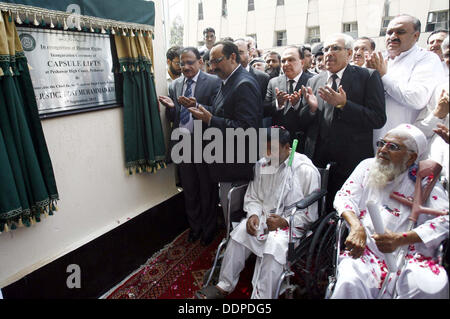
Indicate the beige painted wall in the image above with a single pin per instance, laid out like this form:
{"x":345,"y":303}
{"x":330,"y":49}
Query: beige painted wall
{"x":96,"y":192}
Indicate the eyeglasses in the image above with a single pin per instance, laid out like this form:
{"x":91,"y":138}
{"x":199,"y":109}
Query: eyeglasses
{"x":176,"y":63}
{"x":333,"y":48}
{"x":391,"y":146}
{"x":216,"y":61}
{"x":187,"y":62}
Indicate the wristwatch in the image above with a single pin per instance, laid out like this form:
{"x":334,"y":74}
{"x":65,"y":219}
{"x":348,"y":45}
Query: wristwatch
{"x":340,"y":106}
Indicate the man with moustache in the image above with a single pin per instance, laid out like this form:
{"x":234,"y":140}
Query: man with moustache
{"x":363,"y":47}
{"x":283,"y":99}
{"x":190,"y":90}
{"x":343,"y":106}
{"x":409,"y":73}
{"x":236,"y":106}
{"x":434,"y":44}
{"x":361,"y":268}
{"x":209,"y":35}
{"x":273,"y":64}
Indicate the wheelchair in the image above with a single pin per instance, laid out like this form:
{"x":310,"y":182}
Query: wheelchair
{"x":309,"y":260}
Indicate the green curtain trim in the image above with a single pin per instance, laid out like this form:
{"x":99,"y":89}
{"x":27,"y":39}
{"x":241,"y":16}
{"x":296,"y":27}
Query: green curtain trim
{"x":26,"y":218}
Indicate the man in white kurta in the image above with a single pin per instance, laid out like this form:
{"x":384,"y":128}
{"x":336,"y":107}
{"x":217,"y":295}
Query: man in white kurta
{"x":437,"y":112}
{"x":409,"y":73}
{"x":260,"y":203}
{"x":361,"y":268}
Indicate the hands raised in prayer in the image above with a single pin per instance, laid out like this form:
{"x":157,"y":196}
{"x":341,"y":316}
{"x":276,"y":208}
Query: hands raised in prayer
{"x":201,"y":113}
{"x":442,"y":107}
{"x":166,"y":101}
{"x":377,"y":62}
{"x":283,"y":97}
{"x":187,"y":101}
{"x":442,"y":131}
{"x":332,"y":97}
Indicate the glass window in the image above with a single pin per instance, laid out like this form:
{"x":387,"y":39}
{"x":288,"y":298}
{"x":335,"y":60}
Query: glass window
{"x":224,"y":8}
{"x":314,"y":35}
{"x":437,"y":20}
{"x":251,"y":5}
{"x":280,"y":2}
{"x":200,"y":10}
{"x":280,"y":38}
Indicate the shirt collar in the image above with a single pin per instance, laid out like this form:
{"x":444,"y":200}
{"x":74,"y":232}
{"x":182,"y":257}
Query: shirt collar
{"x":225,"y":81}
{"x":404,"y":53}
{"x":339,"y":74}
{"x":297,"y":78}
{"x":194,"y":79}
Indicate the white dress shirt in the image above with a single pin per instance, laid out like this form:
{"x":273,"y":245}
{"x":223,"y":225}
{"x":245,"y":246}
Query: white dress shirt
{"x":288,"y":105}
{"x":409,"y":83}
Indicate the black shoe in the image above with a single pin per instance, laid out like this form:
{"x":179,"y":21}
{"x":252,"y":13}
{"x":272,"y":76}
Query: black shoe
{"x":207,"y":240}
{"x":192,"y":238}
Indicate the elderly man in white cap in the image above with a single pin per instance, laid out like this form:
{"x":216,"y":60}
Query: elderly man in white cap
{"x":362,"y":268}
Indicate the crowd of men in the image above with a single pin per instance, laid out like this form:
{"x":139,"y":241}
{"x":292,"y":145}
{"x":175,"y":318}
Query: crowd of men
{"x":373,"y":114}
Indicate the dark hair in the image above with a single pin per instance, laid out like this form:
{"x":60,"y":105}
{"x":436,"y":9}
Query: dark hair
{"x":284,"y":137}
{"x":173,"y":52}
{"x":415,"y":21}
{"x":207,"y":30}
{"x":228,"y":49}
{"x":372,"y":43}
{"x":299,"y":49}
{"x":193,"y":50}
{"x":437,"y":31}
{"x":206,"y":56}
{"x":304,"y":48}
{"x":230,"y":39}
{"x":274,"y":53}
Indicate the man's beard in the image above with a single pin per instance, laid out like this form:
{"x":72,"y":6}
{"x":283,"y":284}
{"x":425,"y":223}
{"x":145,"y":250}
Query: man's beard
{"x":174,"y":72}
{"x":273,"y":72}
{"x":381,"y":174}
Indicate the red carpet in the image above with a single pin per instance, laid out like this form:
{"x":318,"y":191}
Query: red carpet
{"x":176,"y":272}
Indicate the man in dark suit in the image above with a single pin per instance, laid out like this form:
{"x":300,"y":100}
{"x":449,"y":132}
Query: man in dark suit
{"x":244,"y":53}
{"x":283,"y":99}
{"x":237,"y":105}
{"x":189,"y":90}
{"x":343,"y":107}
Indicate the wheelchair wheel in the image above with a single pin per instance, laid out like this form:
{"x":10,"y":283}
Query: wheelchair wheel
{"x":319,"y":263}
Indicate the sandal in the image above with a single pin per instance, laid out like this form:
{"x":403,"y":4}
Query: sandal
{"x":210,"y":292}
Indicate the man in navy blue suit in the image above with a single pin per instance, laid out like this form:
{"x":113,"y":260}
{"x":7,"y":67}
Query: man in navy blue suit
{"x":237,"y":105}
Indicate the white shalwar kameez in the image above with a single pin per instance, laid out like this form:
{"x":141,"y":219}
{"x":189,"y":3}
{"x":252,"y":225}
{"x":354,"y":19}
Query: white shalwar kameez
{"x":261,"y":199}
{"x":409,"y":83}
{"x":423,"y":277}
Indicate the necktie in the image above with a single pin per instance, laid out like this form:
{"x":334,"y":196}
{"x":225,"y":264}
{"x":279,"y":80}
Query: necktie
{"x":185,"y":115}
{"x":329,"y":110}
{"x":291,"y":86}
{"x":334,"y":84}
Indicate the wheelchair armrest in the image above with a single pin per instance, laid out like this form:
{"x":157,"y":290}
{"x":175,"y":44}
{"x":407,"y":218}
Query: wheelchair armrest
{"x":311,"y":198}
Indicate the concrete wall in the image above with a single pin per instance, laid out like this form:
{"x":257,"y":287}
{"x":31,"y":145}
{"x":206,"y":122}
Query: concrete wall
{"x":96,"y":193}
{"x":297,"y":15}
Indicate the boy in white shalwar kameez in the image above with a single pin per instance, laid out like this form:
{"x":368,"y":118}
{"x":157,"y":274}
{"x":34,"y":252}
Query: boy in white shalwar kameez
{"x":362,"y":268}
{"x":260,"y":203}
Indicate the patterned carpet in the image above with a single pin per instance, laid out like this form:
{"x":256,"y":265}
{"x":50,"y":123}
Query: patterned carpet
{"x":176,"y":272}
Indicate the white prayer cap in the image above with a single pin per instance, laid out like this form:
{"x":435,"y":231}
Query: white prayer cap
{"x":413,"y":132}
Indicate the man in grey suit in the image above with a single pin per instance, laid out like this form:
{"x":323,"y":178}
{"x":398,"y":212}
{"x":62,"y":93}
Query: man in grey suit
{"x":200,"y":192}
{"x":343,"y":105}
{"x":283,"y":99}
